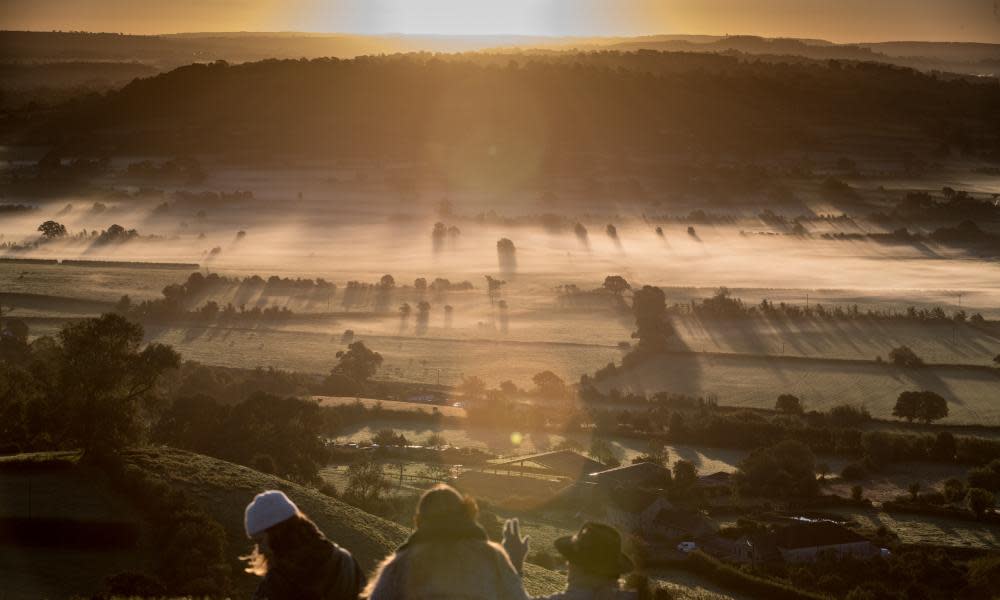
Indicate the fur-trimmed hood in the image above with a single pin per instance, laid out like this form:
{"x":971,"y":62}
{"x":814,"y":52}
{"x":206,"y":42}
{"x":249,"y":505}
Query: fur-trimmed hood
{"x":453,"y":562}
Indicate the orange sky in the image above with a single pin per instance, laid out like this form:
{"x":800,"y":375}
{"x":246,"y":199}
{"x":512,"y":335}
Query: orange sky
{"x":836,"y":20}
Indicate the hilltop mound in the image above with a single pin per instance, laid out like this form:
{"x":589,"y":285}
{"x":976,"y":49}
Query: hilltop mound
{"x":220,"y":488}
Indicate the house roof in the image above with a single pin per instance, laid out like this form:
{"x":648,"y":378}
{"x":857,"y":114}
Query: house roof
{"x":639,"y":473}
{"x":717,"y":478}
{"x":632,"y":500}
{"x":561,"y":462}
{"x":812,"y":535}
{"x":684,"y":520}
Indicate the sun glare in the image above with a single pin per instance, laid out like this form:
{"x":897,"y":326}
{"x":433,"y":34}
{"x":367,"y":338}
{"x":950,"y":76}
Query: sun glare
{"x":452,"y":17}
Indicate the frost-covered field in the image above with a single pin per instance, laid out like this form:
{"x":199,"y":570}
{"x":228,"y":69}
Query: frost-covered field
{"x":331,"y":223}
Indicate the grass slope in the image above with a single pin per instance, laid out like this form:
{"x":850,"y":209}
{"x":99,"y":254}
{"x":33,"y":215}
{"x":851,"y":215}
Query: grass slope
{"x":221,"y":488}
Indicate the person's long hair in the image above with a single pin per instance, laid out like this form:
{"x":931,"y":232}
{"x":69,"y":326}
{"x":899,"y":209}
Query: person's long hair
{"x":290,"y":542}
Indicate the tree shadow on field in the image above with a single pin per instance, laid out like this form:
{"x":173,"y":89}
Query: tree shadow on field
{"x":194,"y":333}
{"x":738,"y":335}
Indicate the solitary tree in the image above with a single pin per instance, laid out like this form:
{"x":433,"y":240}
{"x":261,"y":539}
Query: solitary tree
{"x":656,"y":454}
{"x":616,"y":284}
{"x":357,"y":362}
{"x":979,"y":501}
{"x":507,"y":255}
{"x":472,"y":387}
{"x":51,"y":230}
{"x":685,"y":474}
{"x":438,"y":236}
{"x":788,"y":404}
{"x":550,"y":385}
{"x":649,"y":306}
{"x":100,"y":376}
{"x":493,"y":286}
{"x":366,"y":482}
{"x":954,"y":489}
{"x":604,"y":453}
{"x":923,"y":406}
{"x":903,"y":356}
{"x":435,"y":440}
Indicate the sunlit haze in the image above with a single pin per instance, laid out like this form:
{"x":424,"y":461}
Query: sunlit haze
{"x":846,"y":20}
{"x":563,"y":299}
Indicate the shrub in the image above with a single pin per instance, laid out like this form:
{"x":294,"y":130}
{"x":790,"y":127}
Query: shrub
{"x":954,"y":490}
{"x":788,"y":404}
{"x":191,"y":545}
{"x":846,"y":415}
{"x":787,"y":469}
{"x":903,"y":356}
{"x":979,"y":501}
{"x":131,"y":584}
{"x":263,"y":463}
{"x":857,"y":494}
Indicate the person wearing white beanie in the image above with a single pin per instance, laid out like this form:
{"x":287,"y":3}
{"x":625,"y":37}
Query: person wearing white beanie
{"x":293,"y":556}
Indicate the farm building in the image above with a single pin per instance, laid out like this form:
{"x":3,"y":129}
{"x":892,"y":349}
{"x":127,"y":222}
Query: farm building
{"x":716,"y":484}
{"x":803,"y":542}
{"x":651,"y":515}
{"x":644,"y":474}
{"x":561,"y":463}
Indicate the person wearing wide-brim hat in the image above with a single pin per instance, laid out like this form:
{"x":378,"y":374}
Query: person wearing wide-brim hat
{"x":595,"y":559}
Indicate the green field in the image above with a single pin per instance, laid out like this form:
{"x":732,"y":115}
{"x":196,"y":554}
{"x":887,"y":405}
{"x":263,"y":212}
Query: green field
{"x":972,"y":393}
{"x":925,"y":529}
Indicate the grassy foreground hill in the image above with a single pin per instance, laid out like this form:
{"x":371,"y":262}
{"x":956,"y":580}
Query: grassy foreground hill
{"x":81,"y":493}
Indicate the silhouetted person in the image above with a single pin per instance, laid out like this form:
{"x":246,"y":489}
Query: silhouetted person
{"x":595,"y":561}
{"x":448,"y":556}
{"x":294,"y":557}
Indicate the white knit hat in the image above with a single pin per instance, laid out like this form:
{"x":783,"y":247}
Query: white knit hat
{"x":267,"y":510}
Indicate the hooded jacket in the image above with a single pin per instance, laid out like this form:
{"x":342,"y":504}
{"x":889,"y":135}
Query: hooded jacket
{"x":332,"y":574}
{"x":447,"y":561}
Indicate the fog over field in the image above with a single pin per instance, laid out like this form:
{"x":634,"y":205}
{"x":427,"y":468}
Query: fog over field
{"x":736,"y":296}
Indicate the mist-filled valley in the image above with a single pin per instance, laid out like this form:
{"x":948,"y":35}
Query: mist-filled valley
{"x":522,"y":266}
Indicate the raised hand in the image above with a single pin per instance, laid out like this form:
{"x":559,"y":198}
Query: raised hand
{"x":515,"y":545}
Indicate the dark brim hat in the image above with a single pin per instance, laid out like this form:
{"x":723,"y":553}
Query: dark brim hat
{"x":597,"y":548}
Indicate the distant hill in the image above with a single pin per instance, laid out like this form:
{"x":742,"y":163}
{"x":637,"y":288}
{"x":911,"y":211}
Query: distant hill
{"x":165,"y":52}
{"x":220,"y":488}
{"x":456,"y":108}
{"x":169,"y":51}
{"x":965,"y":58}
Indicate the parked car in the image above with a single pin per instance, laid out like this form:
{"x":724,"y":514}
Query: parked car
{"x":686,"y":547}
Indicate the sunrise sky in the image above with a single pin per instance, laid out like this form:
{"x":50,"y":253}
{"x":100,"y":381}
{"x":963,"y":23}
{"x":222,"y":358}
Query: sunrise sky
{"x":835,"y":20}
